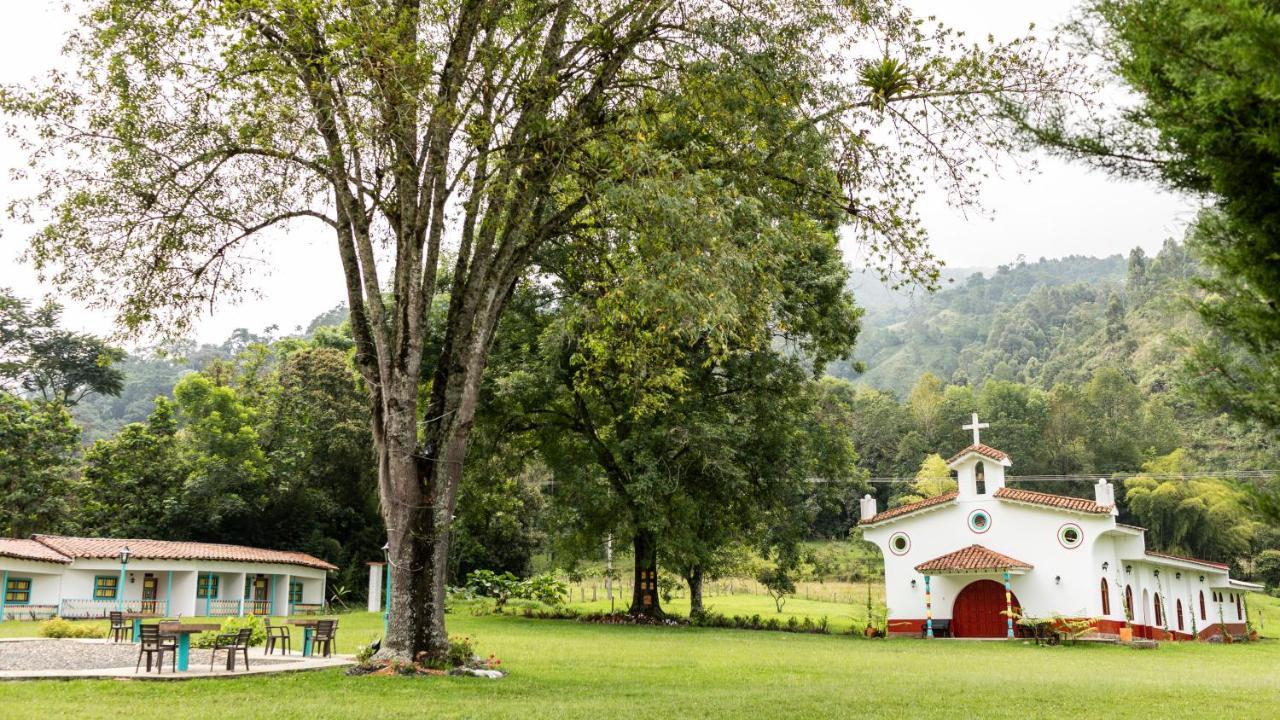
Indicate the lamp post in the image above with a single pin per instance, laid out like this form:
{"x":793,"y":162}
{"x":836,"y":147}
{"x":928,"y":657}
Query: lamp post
{"x":386,"y":591}
{"x":124,"y":563}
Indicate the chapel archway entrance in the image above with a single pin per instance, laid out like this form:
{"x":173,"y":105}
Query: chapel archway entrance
{"x":979,"y":611}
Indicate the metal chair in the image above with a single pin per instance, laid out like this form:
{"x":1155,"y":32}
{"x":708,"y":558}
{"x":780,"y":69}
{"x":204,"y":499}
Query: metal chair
{"x":326,"y":632}
{"x":120,"y":628}
{"x":231,"y":642}
{"x":153,"y":643}
{"x":277,"y":634}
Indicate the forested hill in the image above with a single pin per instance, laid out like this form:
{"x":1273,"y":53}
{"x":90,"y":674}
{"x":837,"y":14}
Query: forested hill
{"x":1036,"y":323}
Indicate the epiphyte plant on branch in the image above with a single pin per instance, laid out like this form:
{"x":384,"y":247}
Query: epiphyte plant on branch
{"x":445,"y":145}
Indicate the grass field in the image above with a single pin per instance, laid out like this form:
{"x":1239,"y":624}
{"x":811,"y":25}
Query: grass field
{"x":565,"y":669}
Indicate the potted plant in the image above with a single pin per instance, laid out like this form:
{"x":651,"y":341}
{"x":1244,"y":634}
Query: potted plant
{"x":1126,"y":632}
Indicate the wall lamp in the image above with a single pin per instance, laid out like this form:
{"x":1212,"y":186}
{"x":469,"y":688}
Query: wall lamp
{"x":1128,"y":569}
{"x":1156,"y":573}
{"x":913,"y":583}
{"x":1057,"y":579}
{"x":1201,"y":578}
{"x":1177,"y":576}
{"x":1105,"y":566}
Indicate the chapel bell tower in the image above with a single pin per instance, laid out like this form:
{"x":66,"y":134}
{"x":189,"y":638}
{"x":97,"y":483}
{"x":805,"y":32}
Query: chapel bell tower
{"x":979,"y":469}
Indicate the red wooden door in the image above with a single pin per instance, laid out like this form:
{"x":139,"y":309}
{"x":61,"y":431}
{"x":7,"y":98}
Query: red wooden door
{"x":978,"y":610}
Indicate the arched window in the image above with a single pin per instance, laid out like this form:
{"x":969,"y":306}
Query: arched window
{"x":1156,"y":605}
{"x":1179,"y":613}
{"x":1239,"y":608}
{"x":1128,"y":602}
{"x":980,"y":476}
{"x":1202,"y":615}
{"x":1106,"y":598}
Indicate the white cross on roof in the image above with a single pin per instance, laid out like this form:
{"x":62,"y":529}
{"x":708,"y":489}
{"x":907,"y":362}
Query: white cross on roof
{"x":975,"y":426}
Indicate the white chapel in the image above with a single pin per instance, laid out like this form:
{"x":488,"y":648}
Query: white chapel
{"x":957,"y":564}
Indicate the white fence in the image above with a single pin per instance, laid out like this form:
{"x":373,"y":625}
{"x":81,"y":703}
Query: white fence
{"x":89,"y":608}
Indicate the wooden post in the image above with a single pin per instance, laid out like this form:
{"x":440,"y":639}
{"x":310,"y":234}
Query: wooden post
{"x":928,"y":609}
{"x":1008,"y":605}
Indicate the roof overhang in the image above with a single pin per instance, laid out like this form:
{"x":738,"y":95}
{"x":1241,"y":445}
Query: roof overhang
{"x":1177,"y":563}
{"x":1240,"y":585}
{"x":1051,"y":508}
{"x":1012,"y":570}
{"x":960,"y":457}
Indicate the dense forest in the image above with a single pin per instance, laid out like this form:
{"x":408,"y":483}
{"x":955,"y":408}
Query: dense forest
{"x":264,"y":439}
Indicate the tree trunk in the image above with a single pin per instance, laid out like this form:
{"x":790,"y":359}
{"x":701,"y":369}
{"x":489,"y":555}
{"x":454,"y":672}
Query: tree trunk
{"x":694,"y":579}
{"x":644,"y":591}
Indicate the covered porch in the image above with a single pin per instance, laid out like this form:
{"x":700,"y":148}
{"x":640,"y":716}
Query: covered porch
{"x":980,"y":582}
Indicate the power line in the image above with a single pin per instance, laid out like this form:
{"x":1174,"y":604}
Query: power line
{"x":1092,"y":478}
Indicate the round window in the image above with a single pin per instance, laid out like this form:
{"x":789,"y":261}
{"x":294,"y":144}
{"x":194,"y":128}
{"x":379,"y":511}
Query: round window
{"x":979,"y":521}
{"x":1070,"y":535}
{"x":899,"y":543}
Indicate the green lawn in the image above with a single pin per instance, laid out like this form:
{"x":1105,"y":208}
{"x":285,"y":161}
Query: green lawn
{"x":563,"y":669}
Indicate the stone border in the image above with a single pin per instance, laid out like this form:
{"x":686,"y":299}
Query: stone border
{"x":299,"y":664}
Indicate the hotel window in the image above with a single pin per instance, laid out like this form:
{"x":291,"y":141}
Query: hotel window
{"x":295,"y":591}
{"x":1202,"y":615}
{"x":1106,"y":598}
{"x":207,"y":587}
{"x":105,"y":586}
{"x":17,"y":591}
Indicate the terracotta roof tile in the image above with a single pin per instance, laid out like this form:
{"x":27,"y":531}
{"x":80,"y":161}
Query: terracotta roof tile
{"x":30,"y":550}
{"x":1168,"y":556}
{"x":983,"y":450}
{"x":911,"y":507}
{"x":1064,"y":502}
{"x":974,"y":557}
{"x":143,"y":549}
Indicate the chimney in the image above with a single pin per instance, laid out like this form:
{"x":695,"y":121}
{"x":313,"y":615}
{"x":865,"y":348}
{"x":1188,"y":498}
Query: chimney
{"x":1104,"y":493}
{"x":868,"y":504}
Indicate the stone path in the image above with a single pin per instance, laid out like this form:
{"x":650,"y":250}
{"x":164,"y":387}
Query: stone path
{"x":32,"y":658}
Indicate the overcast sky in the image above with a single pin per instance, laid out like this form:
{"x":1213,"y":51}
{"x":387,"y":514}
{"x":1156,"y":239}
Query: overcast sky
{"x":1060,"y":210}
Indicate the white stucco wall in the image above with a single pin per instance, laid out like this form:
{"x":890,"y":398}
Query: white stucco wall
{"x":1023,"y":532}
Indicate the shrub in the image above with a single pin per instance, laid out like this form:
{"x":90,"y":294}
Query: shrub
{"x":231,"y":625}
{"x":544,"y":588}
{"x":461,"y":650}
{"x":60,"y":628}
{"x":487,"y":583}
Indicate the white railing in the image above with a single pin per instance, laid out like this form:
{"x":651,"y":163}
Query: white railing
{"x":90,"y":608}
{"x":220,"y":608}
{"x":29,"y":612}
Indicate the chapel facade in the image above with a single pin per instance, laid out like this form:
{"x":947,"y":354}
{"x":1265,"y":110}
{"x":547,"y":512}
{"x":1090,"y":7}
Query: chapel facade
{"x":966,"y":559}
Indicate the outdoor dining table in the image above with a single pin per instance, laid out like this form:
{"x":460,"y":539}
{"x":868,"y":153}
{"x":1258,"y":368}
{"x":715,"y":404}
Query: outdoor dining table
{"x":137,"y":618}
{"x":308,"y":630}
{"x":184,"y":632}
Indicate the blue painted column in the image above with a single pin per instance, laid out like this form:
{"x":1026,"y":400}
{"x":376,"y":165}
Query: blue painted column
{"x":4,"y":591}
{"x":120,"y":589}
{"x":208,"y":592}
{"x":928,"y":609}
{"x":1008,"y":605}
{"x":184,"y":651}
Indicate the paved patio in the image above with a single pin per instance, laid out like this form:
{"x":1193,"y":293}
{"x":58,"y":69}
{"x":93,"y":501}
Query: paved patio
{"x":44,"y":658}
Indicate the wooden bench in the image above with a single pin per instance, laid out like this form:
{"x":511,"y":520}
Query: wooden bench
{"x":941,"y":628}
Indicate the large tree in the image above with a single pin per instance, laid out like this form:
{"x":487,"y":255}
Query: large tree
{"x":40,"y":358}
{"x":445,"y":145}
{"x":1206,"y":121}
